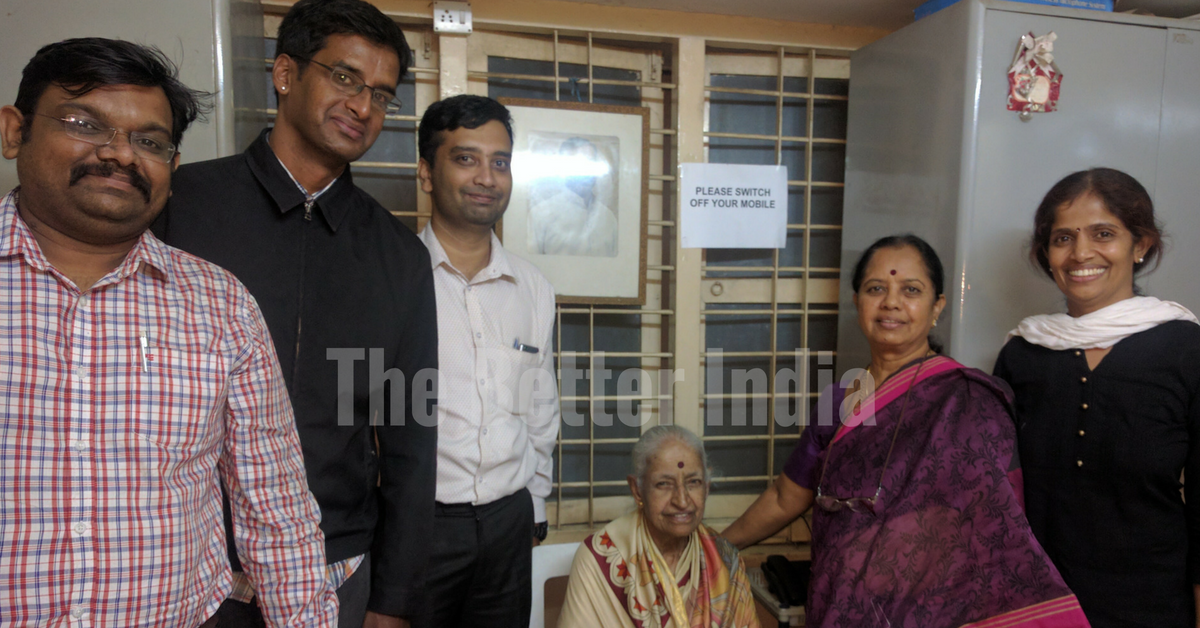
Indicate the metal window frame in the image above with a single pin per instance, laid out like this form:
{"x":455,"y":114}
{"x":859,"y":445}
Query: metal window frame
{"x":765,"y":285}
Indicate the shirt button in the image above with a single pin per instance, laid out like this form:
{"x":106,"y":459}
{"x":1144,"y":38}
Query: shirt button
{"x":1078,"y":353}
{"x":1081,"y":432}
{"x":1083,"y":379}
{"x":81,"y":372}
{"x":83,"y":301}
{"x":80,"y":446}
{"x":1084,"y":406}
{"x":482,"y":382}
{"x":485,"y":431}
{"x":1079,"y":463}
{"x":80,"y":528}
{"x":77,"y":612}
{"x":478,"y":335}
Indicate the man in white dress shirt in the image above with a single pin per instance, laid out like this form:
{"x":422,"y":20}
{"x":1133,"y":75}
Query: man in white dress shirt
{"x":498,"y":408}
{"x":574,"y":221}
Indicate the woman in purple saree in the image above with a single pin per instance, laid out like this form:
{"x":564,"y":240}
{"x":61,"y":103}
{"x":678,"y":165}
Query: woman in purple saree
{"x":918,"y":520}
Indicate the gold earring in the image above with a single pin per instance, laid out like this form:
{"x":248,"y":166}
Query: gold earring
{"x":935,"y":322}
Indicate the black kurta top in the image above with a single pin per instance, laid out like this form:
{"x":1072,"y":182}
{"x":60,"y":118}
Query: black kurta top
{"x":343,"y":274}
{"x":1102,"y":452}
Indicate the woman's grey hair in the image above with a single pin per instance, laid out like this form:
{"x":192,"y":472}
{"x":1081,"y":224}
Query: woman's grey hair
{"x":654,"y":439}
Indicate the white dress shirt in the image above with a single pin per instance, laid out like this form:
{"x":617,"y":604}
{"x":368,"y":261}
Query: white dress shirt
{"x":498,"y":410}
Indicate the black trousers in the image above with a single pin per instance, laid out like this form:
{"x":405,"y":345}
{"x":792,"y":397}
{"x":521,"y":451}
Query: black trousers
{"x":352,"y":604}
{"x":480,"y":566}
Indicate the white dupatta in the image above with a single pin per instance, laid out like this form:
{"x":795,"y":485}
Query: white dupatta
{"x":1100,"y":329}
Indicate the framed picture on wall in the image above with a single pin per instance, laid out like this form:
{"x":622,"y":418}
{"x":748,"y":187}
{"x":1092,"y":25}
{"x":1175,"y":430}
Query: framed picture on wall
{"x":578,"y":207}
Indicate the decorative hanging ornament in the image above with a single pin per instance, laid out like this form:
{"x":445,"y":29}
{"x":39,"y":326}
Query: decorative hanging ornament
{"x":1034,"y":79}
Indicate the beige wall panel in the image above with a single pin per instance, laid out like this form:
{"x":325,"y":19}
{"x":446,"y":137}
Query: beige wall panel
{"x":650,"y":23}
{"x":689,"y":103}
{"x":453,"y":76}
{"x":426,"y":54}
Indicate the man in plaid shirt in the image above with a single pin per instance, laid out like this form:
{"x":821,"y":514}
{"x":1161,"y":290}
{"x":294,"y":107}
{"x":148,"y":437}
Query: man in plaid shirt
{"x":134,"y":378}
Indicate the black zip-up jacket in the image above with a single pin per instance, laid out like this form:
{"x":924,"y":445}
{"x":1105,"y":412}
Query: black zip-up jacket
{"x":341,"y":273}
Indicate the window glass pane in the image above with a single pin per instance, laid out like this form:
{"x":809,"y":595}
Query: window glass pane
{"x":738,"y":458}
{"x":571,"y":91}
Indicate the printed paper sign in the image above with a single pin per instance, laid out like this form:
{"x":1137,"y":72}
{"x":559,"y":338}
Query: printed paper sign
{"x":730,"y":206}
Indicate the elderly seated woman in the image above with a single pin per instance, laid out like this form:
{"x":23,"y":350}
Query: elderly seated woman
{"x":659,"y":566}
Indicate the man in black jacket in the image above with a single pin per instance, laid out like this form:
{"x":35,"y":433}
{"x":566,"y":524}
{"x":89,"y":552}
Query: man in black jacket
{"x":348,"y":296}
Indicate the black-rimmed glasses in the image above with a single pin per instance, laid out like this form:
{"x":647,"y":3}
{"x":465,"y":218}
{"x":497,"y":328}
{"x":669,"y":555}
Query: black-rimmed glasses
{"x":830,"y":503}
{"x":150,"y":145}
{"x":351,"y":84}
{"x":855,"y":504}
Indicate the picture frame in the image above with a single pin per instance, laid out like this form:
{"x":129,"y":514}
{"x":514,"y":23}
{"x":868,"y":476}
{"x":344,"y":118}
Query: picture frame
{"x":579,"y":197}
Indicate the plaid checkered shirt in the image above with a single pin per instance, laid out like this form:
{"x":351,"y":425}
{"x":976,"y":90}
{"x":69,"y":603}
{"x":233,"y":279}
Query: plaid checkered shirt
{"x":124,"y":407}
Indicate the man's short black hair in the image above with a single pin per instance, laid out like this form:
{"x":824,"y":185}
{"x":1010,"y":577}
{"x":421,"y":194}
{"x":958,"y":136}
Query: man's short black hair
{"x":309,"y":23}
{"x":84,"y":64}
{"x":464,"y":111}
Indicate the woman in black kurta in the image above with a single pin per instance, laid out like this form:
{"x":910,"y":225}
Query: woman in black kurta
{"x":1108,"y":411}
{"x":1102,"y":452}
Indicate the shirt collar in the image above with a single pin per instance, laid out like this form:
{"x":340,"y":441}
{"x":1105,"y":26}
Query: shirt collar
{"x":148,"y":252}
{"x":334,"y":202}
{"x":498,"y":266}
{"x":17,"y":239}
{"x":307,"y":197}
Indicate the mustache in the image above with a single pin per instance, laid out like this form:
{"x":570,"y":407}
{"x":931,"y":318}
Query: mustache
{"x":108,"y":169}
{"x":479,"y":191}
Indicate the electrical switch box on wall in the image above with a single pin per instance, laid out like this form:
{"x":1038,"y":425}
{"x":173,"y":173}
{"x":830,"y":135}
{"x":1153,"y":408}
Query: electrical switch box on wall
{"x":452,"y":17}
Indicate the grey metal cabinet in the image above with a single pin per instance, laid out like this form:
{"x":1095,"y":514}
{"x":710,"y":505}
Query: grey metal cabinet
{"x":1177,"y":183}
{"x":933,"y":150}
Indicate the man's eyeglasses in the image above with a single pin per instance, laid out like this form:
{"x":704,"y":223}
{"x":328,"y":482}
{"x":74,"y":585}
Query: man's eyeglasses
{"x":147,"y":145}
{"x":352,"y":85}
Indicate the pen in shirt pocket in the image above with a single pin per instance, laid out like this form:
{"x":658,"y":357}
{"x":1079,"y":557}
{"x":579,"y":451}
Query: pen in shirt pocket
{"x":144,"y":345}
{"x":518,"y":345}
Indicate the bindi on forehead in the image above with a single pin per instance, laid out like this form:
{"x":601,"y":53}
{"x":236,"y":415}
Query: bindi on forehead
{"x":893,"y":271}
{"x":679,"y":464}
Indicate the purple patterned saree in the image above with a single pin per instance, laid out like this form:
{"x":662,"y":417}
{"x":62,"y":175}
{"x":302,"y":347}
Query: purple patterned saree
{"x":948,"y":544}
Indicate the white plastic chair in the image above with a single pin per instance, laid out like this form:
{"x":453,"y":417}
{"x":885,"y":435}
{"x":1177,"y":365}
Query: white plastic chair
{"x":549,"y":561}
